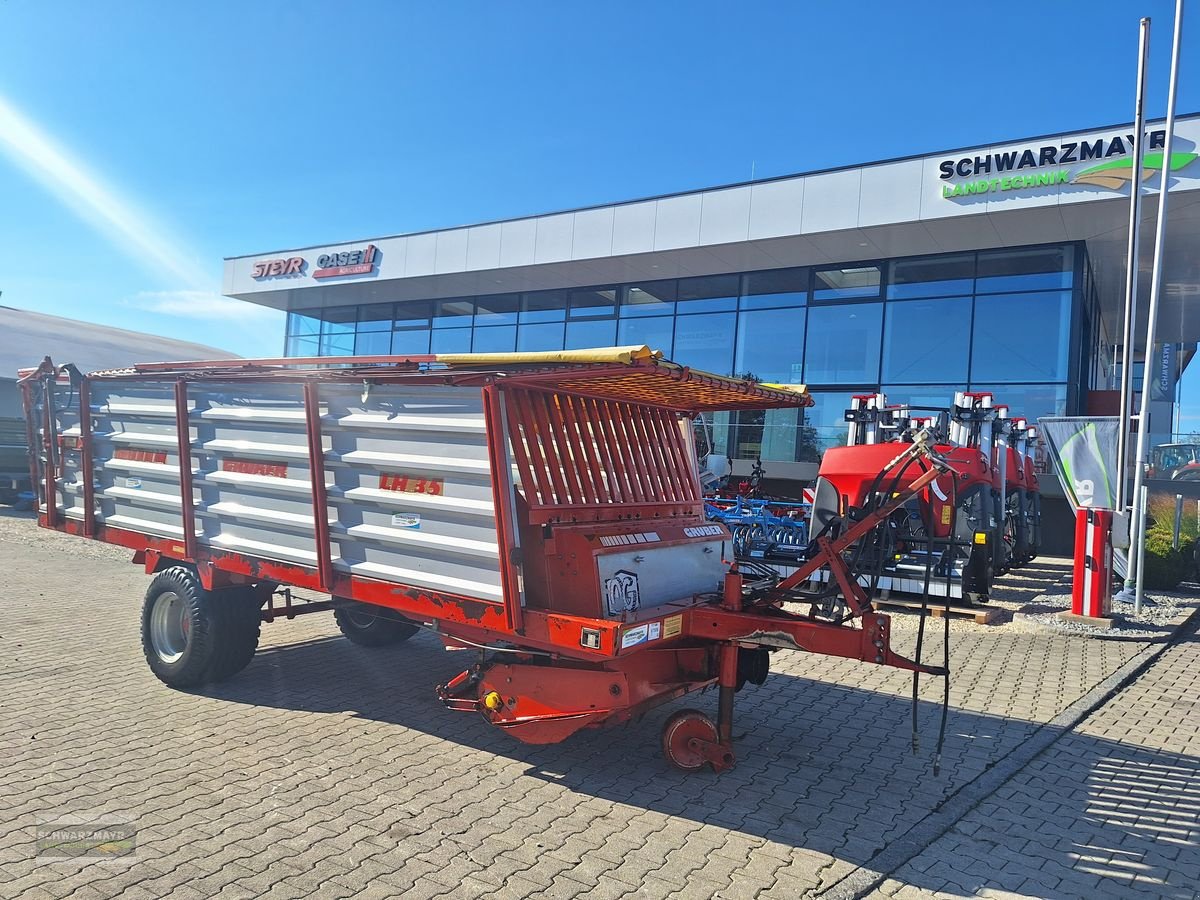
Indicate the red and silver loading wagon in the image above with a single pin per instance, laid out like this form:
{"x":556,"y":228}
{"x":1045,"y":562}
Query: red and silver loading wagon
{"x":542,"y":508}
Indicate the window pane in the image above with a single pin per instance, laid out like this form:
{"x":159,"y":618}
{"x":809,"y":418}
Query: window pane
{"x":927,"y":340}
{"x":705,"y":342}
{"x":598,"y":333}
{"x":934,"y":277}
{"x":453,"y":313}
{"x":595,"y":303}
{"x":770,"y":345}
{"x":339,"y":344}
{"x":715,"y":293}
{"x":544,"y":306}
{"x":413,"y":314}
{"x":748,"y":433}
{"x":304,"y":345}
{"x":924,"y":399}
{"x":1024,"y":270}
{"x":339,"y":321}
{"x":495,"y":339}
{"x":843,"y":344}
{"x":843,"y":283}
{"x":499,"y":309}
{"x":775,"y":434}
{"x":1020,"y":337}
{"x":778,"y":287}
{"x":542,"y":336}
{"x":375,"y":317}
{"x":655,"y":298}
{"x":451,"y":340}
{"x":305,"y":322}
{"x":1029,"y":400}
{"x":654,"y":333}
{"x":826,"y":421}
{"x":373,"y":343}
{"x":414,"y":341}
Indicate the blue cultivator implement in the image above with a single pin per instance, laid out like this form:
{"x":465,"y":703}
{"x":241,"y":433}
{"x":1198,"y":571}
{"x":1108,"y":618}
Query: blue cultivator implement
{"x":764,"y":530}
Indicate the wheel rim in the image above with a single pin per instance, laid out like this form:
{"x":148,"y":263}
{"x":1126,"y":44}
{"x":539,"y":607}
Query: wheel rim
{"x":169,"y":627}
{"x":680,"y":730}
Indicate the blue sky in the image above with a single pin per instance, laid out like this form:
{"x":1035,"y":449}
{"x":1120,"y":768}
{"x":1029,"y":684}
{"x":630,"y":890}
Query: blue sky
{"x":218,"y":128}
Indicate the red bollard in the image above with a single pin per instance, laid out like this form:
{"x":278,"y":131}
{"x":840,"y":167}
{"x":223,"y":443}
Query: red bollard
{"x":1091,"y":586}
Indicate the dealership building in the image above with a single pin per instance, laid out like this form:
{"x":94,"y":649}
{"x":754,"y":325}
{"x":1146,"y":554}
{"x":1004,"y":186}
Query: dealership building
{"x":997,"y":268}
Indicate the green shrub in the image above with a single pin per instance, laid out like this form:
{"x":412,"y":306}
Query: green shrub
{"x":1165,"y":566}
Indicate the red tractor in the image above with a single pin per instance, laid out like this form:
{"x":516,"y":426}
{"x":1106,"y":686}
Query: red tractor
{"x":964,"y":530}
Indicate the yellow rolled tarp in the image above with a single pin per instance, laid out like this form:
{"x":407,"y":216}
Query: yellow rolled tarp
{"x":621,"y":355}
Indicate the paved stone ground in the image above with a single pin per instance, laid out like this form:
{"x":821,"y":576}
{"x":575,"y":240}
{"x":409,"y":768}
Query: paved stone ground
{"x":329,"y":769}
{"x":1111,"y":809}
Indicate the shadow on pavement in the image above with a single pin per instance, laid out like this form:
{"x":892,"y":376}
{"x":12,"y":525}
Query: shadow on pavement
{"x":820,"y":766}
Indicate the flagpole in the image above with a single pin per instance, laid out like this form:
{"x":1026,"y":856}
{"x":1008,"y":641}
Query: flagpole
{"x":1131,"y":271}
{"x":1160,"y":228}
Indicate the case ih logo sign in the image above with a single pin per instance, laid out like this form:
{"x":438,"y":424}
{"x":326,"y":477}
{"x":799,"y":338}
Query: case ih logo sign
{"x":272,"y":268}
{"x":351,"y":262}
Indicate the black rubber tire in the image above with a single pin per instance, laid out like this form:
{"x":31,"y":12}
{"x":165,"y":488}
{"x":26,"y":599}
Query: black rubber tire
{"x":238,"y":623}
{"x":196,"y":640}
{"x":369,"y":625}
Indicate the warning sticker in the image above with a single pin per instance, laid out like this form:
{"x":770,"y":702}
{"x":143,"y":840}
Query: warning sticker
{"x":946,"y":511}
{"x":672,"y":626}
{"x":655,"y":631}
{"x":406,"y":520}
{"x":133,"y":482}
{"x":634,"y":636}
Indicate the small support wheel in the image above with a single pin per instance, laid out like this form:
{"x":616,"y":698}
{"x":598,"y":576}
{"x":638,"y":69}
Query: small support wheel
{"x":678,"y":734}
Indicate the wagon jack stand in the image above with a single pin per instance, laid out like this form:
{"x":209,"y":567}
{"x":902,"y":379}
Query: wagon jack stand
{"x":689,"y":738}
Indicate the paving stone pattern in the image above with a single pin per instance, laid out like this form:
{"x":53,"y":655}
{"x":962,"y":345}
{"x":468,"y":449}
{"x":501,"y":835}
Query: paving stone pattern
{"x":1111,"y":809}
{"x":326,"y":769}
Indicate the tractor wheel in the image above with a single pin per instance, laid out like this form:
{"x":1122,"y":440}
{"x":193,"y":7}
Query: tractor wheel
{"x":239,"y":618}
{"x":180,"y":628}
{"x":369,"y":625}
{"x":679,"y":730}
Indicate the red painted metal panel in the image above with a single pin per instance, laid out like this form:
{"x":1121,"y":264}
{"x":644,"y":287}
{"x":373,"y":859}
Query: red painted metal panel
{"x":183,"y":434}
{"x":606,"y":460}
{"x":407,"y":484}
{"x":502,"y":500}
{"x":320,"y":497}
{"x":254,"y":467}
{"x":135,"y":455}
{"x":48,"y":446}
{"x":87,"y":460}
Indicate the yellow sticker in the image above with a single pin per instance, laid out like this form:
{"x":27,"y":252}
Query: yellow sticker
{"x":946,"y":515}
{"x":672,"y":626}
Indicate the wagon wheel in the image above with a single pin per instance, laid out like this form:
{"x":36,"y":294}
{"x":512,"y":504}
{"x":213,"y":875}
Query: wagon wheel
{"x":679,"y":730}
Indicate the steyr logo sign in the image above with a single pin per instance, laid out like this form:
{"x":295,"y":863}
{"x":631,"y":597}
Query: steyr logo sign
{"x":272,"y":268}
{"x":350,"y":262}
{"x":329,"y":265}
{"x":1057,"y":164}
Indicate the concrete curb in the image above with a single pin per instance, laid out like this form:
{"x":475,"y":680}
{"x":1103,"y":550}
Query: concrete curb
{"x":863,"y":880}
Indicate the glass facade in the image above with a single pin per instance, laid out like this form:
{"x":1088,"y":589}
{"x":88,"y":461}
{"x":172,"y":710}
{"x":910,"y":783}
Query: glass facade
{"x":1013,"y":321}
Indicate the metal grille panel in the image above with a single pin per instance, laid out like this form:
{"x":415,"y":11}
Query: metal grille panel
{"x":590,"y":459}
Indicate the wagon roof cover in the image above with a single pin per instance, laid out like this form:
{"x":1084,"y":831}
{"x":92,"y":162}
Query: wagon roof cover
{"x":635,"y":374}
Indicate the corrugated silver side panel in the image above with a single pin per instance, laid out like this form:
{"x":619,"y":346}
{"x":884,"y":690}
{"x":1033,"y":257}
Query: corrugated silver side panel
{"x":406,"y":471}
{"x":435,"y":526}
{"x":136,"y":494}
